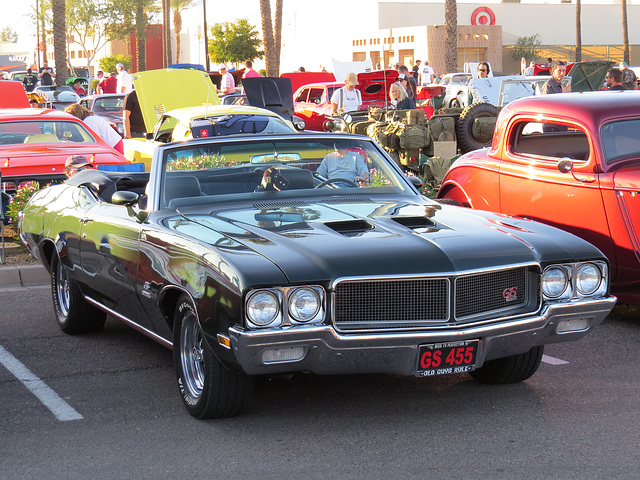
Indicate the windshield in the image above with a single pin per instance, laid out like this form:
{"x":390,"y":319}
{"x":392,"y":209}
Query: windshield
{"x":43,"y":131}
{"x":265,"y":169}
{"x":620,"y":140}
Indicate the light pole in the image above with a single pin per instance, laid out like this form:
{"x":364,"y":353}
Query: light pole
{"x":206,"y":40}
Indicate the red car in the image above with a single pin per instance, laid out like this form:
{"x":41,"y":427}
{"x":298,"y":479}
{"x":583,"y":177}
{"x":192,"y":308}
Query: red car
{"x":312,"y":102}
{"x":35,"y":143}
{"x":568,"y":160}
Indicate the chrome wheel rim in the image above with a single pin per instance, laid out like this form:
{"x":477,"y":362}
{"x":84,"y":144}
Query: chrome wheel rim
{"x":192,"y":355}
{"x":62,"y":289}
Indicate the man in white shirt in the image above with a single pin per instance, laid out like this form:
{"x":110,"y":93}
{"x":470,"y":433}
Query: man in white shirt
{"x":347,"y":98}
{"x":125,"y":82}
{"x":426,"y":75}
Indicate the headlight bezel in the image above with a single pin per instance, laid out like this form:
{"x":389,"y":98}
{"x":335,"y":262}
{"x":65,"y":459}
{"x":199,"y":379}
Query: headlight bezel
{"x":573,"y":288}
{"x":287,"y":298}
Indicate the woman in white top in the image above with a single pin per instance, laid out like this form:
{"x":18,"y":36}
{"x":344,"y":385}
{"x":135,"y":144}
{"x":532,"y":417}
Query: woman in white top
{"x":347,"y":98}
{"x":98,"y":124}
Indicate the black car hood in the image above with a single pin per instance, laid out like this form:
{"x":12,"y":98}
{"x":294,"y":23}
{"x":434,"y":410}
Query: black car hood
{"x":333,"y":239}
{"x":273,"y":93}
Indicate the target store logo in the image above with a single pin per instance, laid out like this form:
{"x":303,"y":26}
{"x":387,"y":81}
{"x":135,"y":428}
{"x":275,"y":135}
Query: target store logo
{"x":483,"y":16}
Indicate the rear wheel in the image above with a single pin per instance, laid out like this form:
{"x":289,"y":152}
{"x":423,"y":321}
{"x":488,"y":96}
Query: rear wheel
{"x":513,"y":369}
{"x":208,"y":389}
{"x":73,"y":313}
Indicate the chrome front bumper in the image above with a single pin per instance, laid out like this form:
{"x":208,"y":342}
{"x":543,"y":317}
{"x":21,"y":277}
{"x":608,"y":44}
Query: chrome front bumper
{"x":327,"y":352}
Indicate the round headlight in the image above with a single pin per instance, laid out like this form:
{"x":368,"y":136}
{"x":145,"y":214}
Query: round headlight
{"x":588,"y":279}
{"x":304,"y":304}
{"x":554,"y":282}
{"x":263,"y":308}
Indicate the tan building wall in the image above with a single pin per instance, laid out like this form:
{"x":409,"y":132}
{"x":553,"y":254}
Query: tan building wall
{"x":476,"y":43}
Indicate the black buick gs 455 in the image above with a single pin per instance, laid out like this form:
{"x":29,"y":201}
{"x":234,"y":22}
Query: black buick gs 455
{"x":264,"y":254}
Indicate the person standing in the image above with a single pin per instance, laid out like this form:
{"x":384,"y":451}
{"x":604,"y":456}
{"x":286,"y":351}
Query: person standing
{"x":399,"y":98}
{"x":629,"y":79}
{"x":530,"y":69}
{"x":125,"y":82}
{"x":132,"y":117}
{"x":483,"y":70}
{"x":98,"y":124}
{"x":427,"y":74}
{"x":96,"y":81}
{"x":415,"y":71}
{"x":413,"y":85}
{"x":554,"y":84}
{"x":29,"y":81}
{"x":250,"y":72}
{"x":109,"y":84}
{"x":613,"y":80}
{"x":227,"y":83}
{"x":46,"y":74}
{"x":347,"y":98}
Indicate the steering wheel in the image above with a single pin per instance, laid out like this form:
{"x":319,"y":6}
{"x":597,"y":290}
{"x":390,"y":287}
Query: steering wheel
{"x":333,"y":181}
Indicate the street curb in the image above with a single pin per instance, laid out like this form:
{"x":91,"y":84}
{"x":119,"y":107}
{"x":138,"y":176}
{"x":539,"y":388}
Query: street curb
{"x":23,"y":276}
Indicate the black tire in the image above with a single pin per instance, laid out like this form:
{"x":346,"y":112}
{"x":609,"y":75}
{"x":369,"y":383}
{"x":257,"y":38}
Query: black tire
{"x":208,"y":389}
{"x":516,"y":368}
{"x":449,"y":201}
{"x":454,"y":103}
{"x":73,"y":313}
{"x":464,"y":126}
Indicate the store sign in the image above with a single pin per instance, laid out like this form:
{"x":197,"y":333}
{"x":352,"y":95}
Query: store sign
{"x":483,"y":16}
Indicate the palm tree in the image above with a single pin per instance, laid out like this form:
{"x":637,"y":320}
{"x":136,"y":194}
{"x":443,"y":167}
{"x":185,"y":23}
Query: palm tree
{"x":60,"y":40}
{"x":451,"y":36}
{"x":625,"y":31}
{"x":271,"y":40}
{"x":578,"y":31}
{"x":177,"y":6}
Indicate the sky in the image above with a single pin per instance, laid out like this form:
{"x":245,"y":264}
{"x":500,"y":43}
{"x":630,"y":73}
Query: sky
{"x":313,"y":32}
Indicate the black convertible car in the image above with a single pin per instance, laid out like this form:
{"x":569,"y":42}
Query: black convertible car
{"x":262,"y":254}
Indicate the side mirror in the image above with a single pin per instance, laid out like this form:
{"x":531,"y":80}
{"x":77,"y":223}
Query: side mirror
{"x":128,"y":199}
{"x":415,"y":181}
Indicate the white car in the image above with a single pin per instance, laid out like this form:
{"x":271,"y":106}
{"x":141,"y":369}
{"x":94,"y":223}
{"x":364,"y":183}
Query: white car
{"x":457,"y":89}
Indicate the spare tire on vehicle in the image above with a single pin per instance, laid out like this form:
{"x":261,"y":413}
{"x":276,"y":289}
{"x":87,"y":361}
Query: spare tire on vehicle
{"x":474,"y":128}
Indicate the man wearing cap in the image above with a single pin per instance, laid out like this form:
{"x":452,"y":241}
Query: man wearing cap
{"x":125,"y":83}
{"x":75,"y":164}
{"x":629,"y":79}
{"x":347,"y":98}
{"x":412,"y":84}
{"x":227,"y":83}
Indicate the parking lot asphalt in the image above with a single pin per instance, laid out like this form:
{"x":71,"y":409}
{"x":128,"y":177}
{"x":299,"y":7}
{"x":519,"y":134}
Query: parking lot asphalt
{"x":15,"y":276}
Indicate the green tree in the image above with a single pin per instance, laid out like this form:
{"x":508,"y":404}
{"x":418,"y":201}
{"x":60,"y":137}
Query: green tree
{"x":177,"y":6}
{"x":527,"y":47}
{"x":271,"y":34}
{"x":132,"y":17}
{"x":234,"y":42}
{"x":89,"y":21}
{"x":8,"y":35}
{"x":108,"y":64}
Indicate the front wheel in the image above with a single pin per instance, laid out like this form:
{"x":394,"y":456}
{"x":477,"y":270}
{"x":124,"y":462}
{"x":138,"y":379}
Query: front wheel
{"x":513,"y":369}
{"x":208,"y":389}
{"x":73,"y":313}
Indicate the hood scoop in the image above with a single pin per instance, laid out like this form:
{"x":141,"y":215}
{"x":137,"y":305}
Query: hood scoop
{"x":276,"y":205}
{"x":415,"y":223}
{"x":350,"y":228}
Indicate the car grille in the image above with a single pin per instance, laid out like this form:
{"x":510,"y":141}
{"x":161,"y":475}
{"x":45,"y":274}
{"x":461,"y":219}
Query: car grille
{"x":445,"y":301}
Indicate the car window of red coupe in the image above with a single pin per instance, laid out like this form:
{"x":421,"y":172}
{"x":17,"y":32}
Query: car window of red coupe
{"x":545,"y":139}
{"x":620,"y":140}
{"x":302,"y":96}
{"x":41,"y":131}
{"x":315,"y":95}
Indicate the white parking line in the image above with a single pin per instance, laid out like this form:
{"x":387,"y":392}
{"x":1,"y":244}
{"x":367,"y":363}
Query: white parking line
{"x":50,"y":399}
{"x":553,"y":360}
